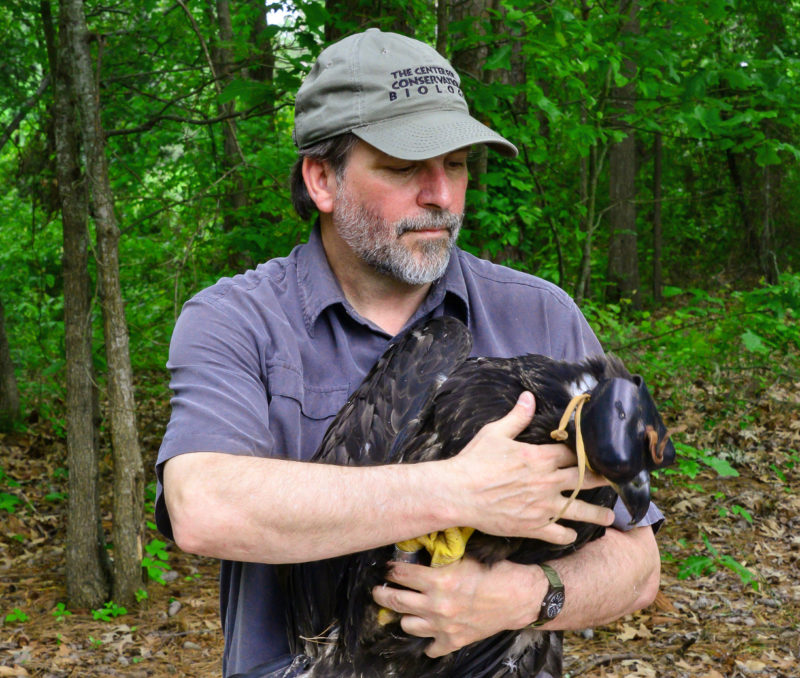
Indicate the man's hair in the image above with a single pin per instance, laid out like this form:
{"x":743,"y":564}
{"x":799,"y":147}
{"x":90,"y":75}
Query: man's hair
{"x":335,"y":151}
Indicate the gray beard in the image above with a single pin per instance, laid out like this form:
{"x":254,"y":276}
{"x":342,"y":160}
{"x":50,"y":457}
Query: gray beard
{"x":377,"y":243}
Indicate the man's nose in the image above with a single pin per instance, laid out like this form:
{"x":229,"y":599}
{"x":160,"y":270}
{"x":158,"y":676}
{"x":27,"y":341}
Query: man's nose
{"x":437,"y":189}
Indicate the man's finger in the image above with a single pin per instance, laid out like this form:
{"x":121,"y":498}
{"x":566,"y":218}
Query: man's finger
{"x":416,"y":626}
{"x":399,"y":600}
{"x":567,"y":479}
{"x":439,"y":648}
{"x":409,"y":575}
{"x":585,"y":512}
{"x":518,"y":418}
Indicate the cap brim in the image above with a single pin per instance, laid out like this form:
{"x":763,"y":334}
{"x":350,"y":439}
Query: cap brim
{"x":431,"y":133}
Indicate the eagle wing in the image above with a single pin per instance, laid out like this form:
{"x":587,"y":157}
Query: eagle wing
{"x":384,"y":410}
{"x":387,"y":406}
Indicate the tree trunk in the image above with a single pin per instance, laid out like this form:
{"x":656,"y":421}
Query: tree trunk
{"x":264,"y":66}
{"x":658,"y":153}
{"x":623,"y":259}
{"x":9,"y":393}
{"x":442,"y":23}
{"x":469,"y":62}
{"x":596,"y":160}
{"x":128,"y":470}
{"x":750,"y":236}
{"x":87,"y":564}
{"x":767,"y":258}
{"x":234,"y":211}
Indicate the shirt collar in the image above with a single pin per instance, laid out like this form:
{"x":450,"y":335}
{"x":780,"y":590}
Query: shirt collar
{"x":317,"y":283}
{"x":320,"y":289}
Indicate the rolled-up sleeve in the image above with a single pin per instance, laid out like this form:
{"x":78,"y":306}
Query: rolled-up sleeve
{"x":219,"y":401}
{"x":622,"y":517}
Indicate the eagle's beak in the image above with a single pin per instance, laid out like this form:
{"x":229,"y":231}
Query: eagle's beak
{"x":635,"y":494}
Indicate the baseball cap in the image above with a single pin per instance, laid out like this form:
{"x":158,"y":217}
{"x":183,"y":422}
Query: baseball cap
{"x":394,"y":92}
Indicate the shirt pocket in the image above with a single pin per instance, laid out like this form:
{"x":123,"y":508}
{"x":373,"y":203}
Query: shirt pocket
{"x":316,"y":401}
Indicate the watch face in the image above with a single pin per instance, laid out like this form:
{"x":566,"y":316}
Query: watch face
{"x":553,"y":605}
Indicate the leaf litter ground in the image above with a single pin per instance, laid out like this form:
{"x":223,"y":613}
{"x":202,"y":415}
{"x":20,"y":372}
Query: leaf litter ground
{"x":710,"y":625}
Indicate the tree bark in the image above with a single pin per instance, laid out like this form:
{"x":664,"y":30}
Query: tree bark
{"x":658,"y":154}
{"x":234,"y":212}
{"x":469,"y":62}
{"x":128,"y":470}
{"x":623,"y":259}
{"x":87,"y":564}
{"x":442,"y":22}
{"x":9,"y":393}
{"x":264,"y":56}
{"x":591,"y":222}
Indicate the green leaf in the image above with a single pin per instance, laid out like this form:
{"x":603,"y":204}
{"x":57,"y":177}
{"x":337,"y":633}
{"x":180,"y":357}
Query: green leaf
{"x":753,"y":342}
{"x":722,"y":467}
{"x":16,"y":615}
{"x":548,"y":107}
{"x":499,"y":59}
{"x":741,"y":511}
{"x":696,"y":566}
{"x":247,"y":91}
{"x":767,"y":154}
{"x":316,"y":15}
{"x":747,"y":576}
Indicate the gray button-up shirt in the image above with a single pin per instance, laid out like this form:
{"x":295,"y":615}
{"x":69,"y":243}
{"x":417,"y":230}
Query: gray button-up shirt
{"x":262,"y":362}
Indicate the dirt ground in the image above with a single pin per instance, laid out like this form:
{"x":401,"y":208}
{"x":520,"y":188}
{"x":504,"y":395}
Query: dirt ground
{"x":709,"y":624}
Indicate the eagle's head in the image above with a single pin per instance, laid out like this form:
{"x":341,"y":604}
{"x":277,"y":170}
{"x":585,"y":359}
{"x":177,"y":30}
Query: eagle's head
{"x":625,"y":438}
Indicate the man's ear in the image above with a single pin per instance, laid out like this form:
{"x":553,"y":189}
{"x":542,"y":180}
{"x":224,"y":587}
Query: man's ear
{"x":320,"y":180}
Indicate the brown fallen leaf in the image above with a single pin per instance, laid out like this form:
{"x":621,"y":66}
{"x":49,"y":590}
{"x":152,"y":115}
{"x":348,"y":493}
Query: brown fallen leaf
{"x":13,"y":671}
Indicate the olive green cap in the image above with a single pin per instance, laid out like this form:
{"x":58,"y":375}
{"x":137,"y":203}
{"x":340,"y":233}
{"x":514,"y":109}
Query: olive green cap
{"x":396,"y":93}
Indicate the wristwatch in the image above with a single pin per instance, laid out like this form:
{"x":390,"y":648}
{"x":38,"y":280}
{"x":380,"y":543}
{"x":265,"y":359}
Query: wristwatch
{"x":553,"y":601}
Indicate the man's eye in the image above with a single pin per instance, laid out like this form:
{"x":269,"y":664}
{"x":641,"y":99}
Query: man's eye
{"x":405,"y":169}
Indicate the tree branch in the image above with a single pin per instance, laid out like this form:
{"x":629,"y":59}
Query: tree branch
{"x":217,"y":85}
{"x":27,"y":106}
{"x":243,"y":115}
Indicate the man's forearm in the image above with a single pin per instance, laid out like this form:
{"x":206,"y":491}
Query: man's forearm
{"x":277,"y":511}
{"x":607,"y":579}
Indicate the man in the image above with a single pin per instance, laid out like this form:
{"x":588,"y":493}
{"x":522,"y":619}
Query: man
{"x":261,"y":363}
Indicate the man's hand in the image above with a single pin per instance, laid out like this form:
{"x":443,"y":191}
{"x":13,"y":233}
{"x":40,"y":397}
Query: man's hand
{"x":460,"y":603}
{"x":515,"y":489}
{"x":466,"y":602}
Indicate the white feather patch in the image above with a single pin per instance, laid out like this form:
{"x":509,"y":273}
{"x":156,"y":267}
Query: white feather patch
{"x":583,"y":385}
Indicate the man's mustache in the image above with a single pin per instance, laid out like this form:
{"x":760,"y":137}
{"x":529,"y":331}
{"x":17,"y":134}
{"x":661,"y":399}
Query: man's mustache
{"x":438,"y":220}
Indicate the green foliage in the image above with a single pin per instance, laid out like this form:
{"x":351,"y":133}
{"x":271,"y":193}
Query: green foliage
{"x":61,"y":612}
{"x":8,"y":501}
{"x":786,"y":467}
{"x":16,"y":616}
{"x":728,"y":332}
{"x":155,"y":562}
{"x":712,"y":77}
{"x":688,"y":463}
{"x":702,"y":564}
{"x":109,"y":612}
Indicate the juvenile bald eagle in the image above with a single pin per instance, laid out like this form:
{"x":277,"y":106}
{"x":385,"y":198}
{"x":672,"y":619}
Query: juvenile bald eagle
{"x":423,"y":400}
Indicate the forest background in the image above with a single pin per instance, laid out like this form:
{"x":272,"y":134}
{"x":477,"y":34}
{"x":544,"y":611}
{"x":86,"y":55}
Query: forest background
{"x":144,"y":153}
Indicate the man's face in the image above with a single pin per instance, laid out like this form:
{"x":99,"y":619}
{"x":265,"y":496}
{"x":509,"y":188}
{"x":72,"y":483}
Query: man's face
{"x":401,"y":217}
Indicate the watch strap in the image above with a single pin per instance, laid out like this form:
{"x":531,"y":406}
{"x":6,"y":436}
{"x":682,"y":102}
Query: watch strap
{"x":554,"y":585}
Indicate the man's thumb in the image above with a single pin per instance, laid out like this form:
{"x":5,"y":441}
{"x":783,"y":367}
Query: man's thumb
{"x":520,"y":415}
